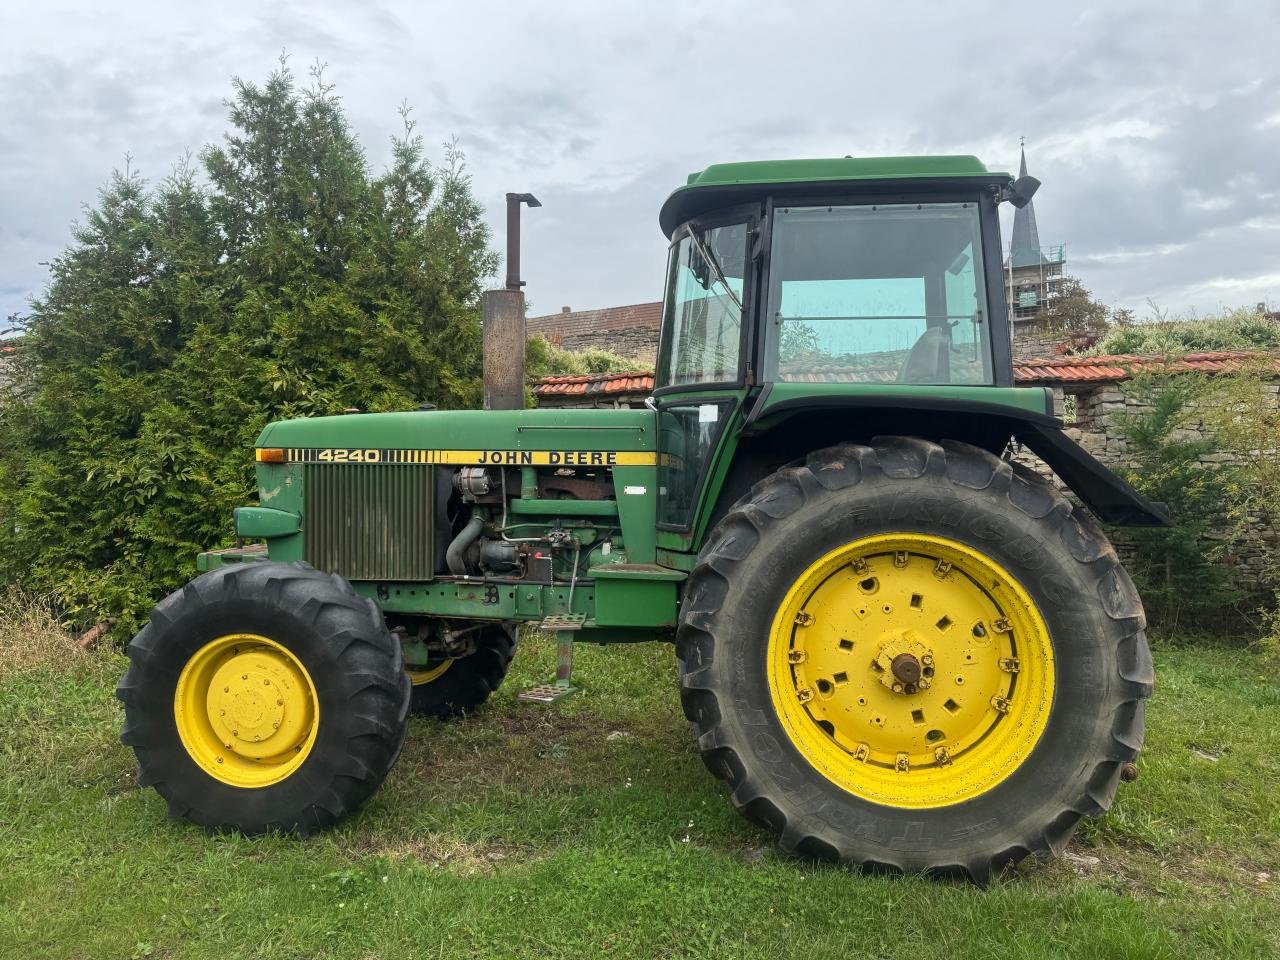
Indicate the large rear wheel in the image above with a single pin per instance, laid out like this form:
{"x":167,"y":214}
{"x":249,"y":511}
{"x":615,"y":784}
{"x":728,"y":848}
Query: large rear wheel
{"x":265,"y":696}
{"x":913,"y":656}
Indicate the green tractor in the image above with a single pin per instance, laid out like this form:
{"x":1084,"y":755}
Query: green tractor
{"x":898,"y":646}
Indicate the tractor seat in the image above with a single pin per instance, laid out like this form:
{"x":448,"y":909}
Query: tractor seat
{"x":927,"y":361}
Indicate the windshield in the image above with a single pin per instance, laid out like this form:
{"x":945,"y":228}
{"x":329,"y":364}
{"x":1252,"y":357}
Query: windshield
{"x":890,"y":293}
{"x":702,"y":322}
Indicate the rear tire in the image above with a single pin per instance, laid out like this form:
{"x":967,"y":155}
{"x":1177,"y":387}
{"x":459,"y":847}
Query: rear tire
{"x":249,"y":654}
{"x":805,"y":781}
{"x":448,"y":689}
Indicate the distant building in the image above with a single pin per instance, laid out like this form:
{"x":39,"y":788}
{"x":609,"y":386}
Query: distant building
{"x":630,"y":331}
{"x":1032,"y":273}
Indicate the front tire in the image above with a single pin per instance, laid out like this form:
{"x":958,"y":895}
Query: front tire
{"x":915,"y":657}
{"x":265,"y":696}
{"x":447,"y":689}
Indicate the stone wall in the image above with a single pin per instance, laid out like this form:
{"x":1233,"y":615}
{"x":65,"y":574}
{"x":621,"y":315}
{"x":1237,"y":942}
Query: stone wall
{"x":1090,"y":414}
{"x":1031,"y":342}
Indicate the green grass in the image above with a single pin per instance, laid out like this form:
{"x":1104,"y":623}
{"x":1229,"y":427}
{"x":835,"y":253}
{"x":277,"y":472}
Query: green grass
{"x":532,"y":832}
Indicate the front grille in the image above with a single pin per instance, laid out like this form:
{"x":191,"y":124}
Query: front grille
{"x":369,"y":521}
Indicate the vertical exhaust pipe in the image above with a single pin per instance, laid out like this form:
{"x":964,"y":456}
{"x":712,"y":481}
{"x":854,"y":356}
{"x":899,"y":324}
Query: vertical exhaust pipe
{"x":503,"y":327}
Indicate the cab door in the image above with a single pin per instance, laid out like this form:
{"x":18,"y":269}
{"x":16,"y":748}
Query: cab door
{"x":704,"y":365}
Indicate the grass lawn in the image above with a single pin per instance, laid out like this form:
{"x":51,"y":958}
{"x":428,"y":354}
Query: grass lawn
{"x":590,"y":829}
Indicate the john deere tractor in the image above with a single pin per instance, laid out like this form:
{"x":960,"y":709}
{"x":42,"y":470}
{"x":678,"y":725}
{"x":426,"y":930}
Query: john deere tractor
{"x":898,"y":646}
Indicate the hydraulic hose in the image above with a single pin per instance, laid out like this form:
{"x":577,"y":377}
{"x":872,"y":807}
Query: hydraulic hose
{"x":454,"y":556}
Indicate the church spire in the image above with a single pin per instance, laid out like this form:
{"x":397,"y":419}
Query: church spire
{"x":1024,"y":250}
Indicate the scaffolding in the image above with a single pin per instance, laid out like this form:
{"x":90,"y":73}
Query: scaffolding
{"x":1030,"y":287}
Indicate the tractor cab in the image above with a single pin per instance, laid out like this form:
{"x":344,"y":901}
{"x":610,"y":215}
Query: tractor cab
{"x":869,"y":278}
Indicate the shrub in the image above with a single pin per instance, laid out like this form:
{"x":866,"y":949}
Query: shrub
{"x":1243,"y":329}
{"x":1245,"y":417}
{"x":1177,"y":568}
{"x":545,"y":359}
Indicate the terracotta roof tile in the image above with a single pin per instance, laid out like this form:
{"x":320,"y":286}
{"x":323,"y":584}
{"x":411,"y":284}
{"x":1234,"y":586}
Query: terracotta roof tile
{"x":593,"y":384}
{"x":1049,"y":370}
{"x":1053,"y":370}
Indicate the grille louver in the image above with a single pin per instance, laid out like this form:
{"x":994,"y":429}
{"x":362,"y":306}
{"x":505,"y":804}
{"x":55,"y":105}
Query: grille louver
{"x":369,"y":521}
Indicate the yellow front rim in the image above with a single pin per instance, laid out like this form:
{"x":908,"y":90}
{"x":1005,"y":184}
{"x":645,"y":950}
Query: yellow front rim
{"x":246,"y":710}
{"x":911,"y":670}
{"x":427,"y":674}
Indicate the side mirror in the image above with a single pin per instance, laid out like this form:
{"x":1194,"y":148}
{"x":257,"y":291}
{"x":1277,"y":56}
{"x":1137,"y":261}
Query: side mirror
{"x":1022,"y":190}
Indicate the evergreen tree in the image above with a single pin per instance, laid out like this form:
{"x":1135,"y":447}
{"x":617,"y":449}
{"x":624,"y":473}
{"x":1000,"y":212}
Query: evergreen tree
{"x":279,"y":278}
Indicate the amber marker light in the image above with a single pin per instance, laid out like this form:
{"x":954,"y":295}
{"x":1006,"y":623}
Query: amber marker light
{"x":270,"y":455}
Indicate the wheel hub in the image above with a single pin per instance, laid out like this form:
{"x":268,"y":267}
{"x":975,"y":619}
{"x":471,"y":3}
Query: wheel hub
{"x":246,"y":710}
{"x":249,"y":704}
{"x":904,"y":664}
{"x":911,"y":670}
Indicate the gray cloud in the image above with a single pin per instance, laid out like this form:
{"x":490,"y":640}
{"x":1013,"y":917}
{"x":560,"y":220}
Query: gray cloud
{"x":1154,"y":126}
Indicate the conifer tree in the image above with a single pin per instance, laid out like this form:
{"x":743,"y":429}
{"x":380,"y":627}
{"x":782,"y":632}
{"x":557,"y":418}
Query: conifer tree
{"x":278,"y":276}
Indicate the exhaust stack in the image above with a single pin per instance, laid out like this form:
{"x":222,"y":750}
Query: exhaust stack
{"x":503,"y":327}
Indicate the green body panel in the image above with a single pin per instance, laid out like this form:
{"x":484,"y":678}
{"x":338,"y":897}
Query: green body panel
{"x":470,"y":430}
{"x":825,"y":169}
{"x":638,"y":595}
{"x":1021,"y":399}
{"x":260,"y":523}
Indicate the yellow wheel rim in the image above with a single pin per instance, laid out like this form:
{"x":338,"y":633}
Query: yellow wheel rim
{"x":426,"y":675}
{"x":246,"y":710}
{"x":911,"y":670}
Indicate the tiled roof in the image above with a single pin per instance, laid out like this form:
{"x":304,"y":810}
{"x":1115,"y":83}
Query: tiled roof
{"x":1047,"y":371}
{"x":1054,"y":370}
{"x":594,"y":384}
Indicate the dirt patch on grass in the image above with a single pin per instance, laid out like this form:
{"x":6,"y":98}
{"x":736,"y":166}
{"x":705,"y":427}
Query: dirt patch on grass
{"x":31,"y":637}
{"x":1139,"y":872}
{"x":441,"y":851}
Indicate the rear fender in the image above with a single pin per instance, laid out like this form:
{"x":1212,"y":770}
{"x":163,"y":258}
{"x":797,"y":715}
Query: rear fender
{"x":792,"y":427}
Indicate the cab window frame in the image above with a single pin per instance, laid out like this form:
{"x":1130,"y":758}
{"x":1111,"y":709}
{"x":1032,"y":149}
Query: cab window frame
{"x":1001,"y":353}
{"x":750,"y":215}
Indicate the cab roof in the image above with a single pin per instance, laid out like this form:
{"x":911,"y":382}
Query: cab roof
{"x":722,"y":184}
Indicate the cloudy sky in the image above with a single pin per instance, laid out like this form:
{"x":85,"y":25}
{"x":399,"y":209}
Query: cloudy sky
{"x":1154,"y":126}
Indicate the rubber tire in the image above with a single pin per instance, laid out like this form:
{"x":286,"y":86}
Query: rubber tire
{"x":355,"y":663}
{"x":838,"y":494}
{"x":471,"y":680}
